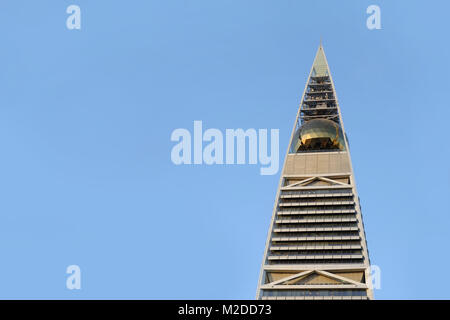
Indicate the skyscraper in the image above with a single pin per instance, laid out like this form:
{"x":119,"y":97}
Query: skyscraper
{"x":316,"y":246}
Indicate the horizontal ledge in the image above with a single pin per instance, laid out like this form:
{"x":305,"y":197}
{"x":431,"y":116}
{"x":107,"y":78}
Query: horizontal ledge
{"x":313,"y":287}
{"x":318,"y":298}
{"x":300,"y":221}
{"x":316,"y":195}
{"x":324,"y":267}
{"x":324,"y":238}
{"x":304,"y":212}
{"x":315,"y":229}
{"x":301,"y":248}
{"x":317,"y":257}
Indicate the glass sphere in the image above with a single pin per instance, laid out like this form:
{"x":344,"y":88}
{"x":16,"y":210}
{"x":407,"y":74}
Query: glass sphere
{"x":319,"y":134}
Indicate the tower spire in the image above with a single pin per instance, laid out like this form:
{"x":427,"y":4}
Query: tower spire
{"x":320,"y":65}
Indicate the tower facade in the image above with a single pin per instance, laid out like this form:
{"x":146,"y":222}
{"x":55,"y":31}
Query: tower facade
{"x":316,"y":246}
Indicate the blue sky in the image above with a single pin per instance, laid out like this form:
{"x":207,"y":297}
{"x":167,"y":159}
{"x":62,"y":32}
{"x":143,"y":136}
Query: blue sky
{"x":86,"y":117}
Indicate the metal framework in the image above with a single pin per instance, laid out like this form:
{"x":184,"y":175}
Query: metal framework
{"x":316,"y":246}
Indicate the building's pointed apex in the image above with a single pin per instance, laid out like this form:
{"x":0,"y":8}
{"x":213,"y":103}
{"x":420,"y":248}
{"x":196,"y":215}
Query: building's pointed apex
{"x":320,"y":66}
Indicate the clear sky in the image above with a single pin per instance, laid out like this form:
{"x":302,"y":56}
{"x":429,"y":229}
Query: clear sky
{"x":86,"y":117}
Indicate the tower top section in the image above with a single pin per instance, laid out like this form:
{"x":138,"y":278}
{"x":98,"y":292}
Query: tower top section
{"x":319,"y":126}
